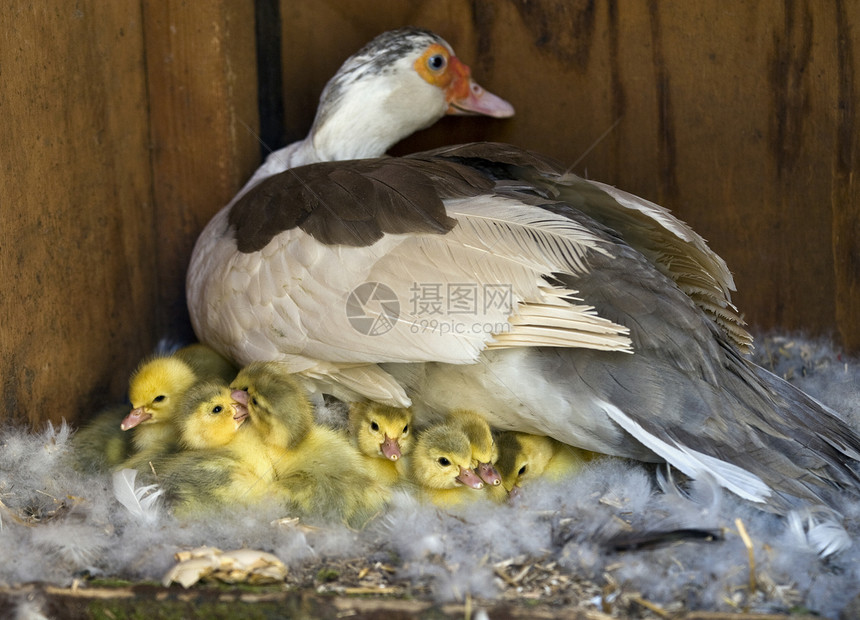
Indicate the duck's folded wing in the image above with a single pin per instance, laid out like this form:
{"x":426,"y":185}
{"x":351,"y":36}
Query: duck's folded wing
{"x":393,"y":261}
{"x":670,"y":245}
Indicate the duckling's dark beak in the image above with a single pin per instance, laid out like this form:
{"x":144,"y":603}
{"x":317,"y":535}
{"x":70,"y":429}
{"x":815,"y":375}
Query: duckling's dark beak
{"x":470,"y":478}
{"x":134,"y":418}
{"x":515,"y":493}
{"x":489,"y":474}
{"x":390,"y":449}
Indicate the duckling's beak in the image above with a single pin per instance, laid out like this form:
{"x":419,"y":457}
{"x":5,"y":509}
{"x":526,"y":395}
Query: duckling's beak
{"x":241,"y":397}
{"x":515,"y":493}
{"x":390,"y":449}
{"x":465,"y":96}
{"x":470,"y":478}
{"x":134,"y":418}
{"x":240,"y":413}
{"x":489,"y":474}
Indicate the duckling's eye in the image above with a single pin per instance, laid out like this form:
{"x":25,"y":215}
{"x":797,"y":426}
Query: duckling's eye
{"x":522,"y":470}
{"x":443,"y":461}
{"x":217,"y":409}
{"x":405,"y":429}
{"x":436,"y":62}
{"x":374,"y":426}
{"x":159,"y":398}
{"x":254,"y":401}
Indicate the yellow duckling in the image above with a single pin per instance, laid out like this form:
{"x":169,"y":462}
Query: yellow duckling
{"x":318,"y":471}
{"x":383,"y":436}
{"x":484,"y":449}
{"x":157,"y":386}
{"x":224,"y":460}
{"x":101,"y":444}
{"x":524,"y":457}
{"x":441,"y":466}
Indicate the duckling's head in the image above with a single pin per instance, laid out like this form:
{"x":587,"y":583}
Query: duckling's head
{"x":522,"y":457}
{"x":442,"y":459}
{"x":208,"y":416}
{"x":402,"y":81}
{"x":381,"y":430}
{"x":485,"y":452}
{"x":277,"y":404}
{"x":155,"y":389}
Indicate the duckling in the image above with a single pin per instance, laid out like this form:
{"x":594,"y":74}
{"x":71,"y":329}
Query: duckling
{"x":157,"y":385}
{"x":484,"y":450}
{"x":441,"y":466}
{"x":524,"y":457}
{"x":383,"y":436}
{"x":224,"y":460}
{"x":207,"y":363}
{"x":318,"y":471}
{"x":101,"y":445}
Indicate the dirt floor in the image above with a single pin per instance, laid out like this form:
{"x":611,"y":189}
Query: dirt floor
{"x":353,"y":589}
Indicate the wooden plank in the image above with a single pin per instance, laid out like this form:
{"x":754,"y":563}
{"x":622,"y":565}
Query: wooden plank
{"x":738,"y":117}
{"x":78,"y":275}
{"x":202,"y":78}
{"x":845,"y":197}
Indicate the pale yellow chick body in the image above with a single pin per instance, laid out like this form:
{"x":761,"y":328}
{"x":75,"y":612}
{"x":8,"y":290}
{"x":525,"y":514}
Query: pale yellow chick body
{"x":525,"y":457}
{"x":383,"y":436}
{"x":101,"y":444}
{"x":224,"y":461}
{"x":441,"y":467}
{"x":319,"y":473}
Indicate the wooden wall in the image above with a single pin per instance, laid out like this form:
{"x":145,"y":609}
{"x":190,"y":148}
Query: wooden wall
{"x":124,"y":126}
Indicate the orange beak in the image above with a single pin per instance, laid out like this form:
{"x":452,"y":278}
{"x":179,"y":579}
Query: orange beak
{"x":466,"y":97}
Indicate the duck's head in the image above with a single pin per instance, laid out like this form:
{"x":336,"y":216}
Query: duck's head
{"x":442,"y":459}
{"x":522,"y":457}
{"x":277,"y":404}
{"x":208,"y":416}
{"x":402,"y":81}
{"x":381,"y":430}
{"x":155,"y":389}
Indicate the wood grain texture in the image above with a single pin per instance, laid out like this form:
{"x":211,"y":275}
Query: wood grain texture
{"x":77,"y":298}
{"x":739,"y":117}
{"x":126,"y":125}
{"x":202,"y":78}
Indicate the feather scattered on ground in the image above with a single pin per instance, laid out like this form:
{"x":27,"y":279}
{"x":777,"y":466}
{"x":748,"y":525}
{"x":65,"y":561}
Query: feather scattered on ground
{"x":58,"y":526}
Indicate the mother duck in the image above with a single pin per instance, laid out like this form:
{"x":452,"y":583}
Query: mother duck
{"x":484,"y":276}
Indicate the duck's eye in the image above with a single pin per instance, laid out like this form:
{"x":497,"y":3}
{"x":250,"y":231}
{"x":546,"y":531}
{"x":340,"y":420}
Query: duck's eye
{"x":522,"y":470}
{"x":405,"y":429}
{"x":374,"y":426}
{"x":436,"y":62}
{"x":254,"y":401}
{"x":443,"y":461}
{"x":159,"y":398}
{"x":217,"y":409}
